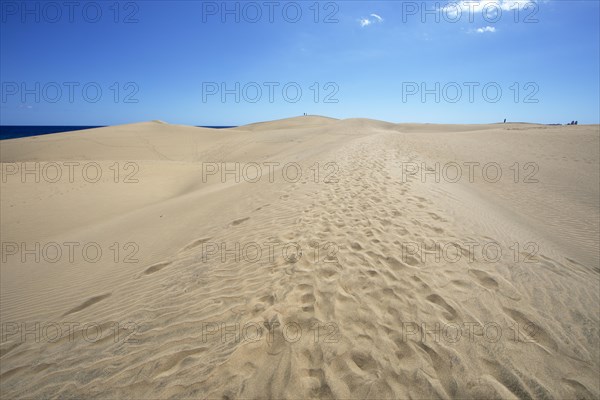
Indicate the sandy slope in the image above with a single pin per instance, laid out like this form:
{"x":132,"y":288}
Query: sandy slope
{"x":370,"y":308}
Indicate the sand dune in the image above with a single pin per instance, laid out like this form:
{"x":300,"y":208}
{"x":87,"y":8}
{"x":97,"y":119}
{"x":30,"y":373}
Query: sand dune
{"x":357,"y":264}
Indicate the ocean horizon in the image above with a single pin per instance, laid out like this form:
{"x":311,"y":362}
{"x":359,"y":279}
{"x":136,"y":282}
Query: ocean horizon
{"x":21,"y":131}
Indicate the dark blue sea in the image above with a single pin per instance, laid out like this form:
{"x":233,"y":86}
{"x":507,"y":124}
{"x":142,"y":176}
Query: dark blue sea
{"x":20,"y":131}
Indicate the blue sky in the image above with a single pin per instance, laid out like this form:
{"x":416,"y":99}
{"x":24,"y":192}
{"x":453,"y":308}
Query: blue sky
{"x":104,"y":63}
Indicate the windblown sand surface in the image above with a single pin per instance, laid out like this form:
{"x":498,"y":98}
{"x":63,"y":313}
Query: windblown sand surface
{"x":391,"y":296}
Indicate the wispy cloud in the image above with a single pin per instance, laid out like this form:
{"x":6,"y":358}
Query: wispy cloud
{"x":379,"y":19}
{"x":489,"y":7}
{"x":372,"y":19}
{"x":485,"y":29}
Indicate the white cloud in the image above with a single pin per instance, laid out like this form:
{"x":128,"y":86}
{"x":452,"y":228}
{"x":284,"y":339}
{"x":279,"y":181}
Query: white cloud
{"x":469,"y":8}
{"x":374,"y":18}
{"x":486,"y":29}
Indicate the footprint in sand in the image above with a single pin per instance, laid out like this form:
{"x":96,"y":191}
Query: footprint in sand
{"x":195,"y":244}
{"x":239,"y":221}
{"x":87,"y":303}
{"x":156,"y":267}
{"x":438,"y":300}
{"x":275,"y":341}
{"x":484,"y":279}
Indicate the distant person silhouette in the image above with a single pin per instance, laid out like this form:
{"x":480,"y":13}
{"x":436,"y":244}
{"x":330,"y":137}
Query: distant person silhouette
{"x":504,"y":120}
